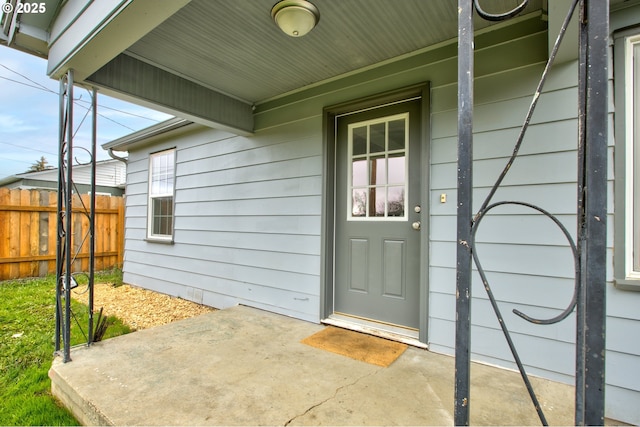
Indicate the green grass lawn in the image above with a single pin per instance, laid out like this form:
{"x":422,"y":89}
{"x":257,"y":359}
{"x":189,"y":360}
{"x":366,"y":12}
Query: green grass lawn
{"x":27,"y":331}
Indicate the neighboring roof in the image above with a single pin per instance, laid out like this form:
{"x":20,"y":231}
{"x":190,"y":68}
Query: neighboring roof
{"x":109,"y":173}
{"x":147,"y":135}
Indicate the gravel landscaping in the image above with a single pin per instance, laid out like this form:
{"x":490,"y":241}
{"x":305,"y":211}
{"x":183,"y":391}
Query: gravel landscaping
{"x":139,"y":308}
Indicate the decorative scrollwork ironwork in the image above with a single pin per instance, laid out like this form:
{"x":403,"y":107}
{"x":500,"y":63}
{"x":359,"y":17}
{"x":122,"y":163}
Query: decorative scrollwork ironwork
{"x":487,"y":206}
{"x":572,"y":304}
{"x":66,"y":256}
{"x":499,"y":16}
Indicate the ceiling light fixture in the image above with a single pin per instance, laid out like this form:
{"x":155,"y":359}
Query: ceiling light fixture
{"x":295,"y":17}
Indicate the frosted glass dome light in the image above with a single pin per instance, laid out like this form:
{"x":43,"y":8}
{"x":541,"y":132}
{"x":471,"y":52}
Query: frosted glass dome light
{"x":295,"y":17}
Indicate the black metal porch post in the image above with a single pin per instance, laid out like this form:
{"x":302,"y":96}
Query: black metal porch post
{"x":59,"y":213}
{"x":68,"y":203}
{"x":464,"y":212}
{"x":594,"y":28}
{"x":92,"y":211}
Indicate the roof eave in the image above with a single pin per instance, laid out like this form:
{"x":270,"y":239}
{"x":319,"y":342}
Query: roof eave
{"x":147,"y":135}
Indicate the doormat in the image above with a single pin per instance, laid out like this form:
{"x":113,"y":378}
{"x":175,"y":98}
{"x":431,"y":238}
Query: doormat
{"x":356,"y":345}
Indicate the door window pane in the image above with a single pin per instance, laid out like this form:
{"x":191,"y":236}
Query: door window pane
{"x":378,"y":136}
{"x":396,"y":201}
{"x":396,"y":135}
{"x":359,"y":136}
{"x":377,"y":203}
{"x":360,"y":173}
{"x":359,"y":202}
{"x":378,"y":171}
{"x":396,"y":169}
{"x":378,"y":163}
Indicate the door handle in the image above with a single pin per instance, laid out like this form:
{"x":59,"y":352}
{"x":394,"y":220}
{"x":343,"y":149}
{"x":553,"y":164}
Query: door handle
{"x":416,"y":225}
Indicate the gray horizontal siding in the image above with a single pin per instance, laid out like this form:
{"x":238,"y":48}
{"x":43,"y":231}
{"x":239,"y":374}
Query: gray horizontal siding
{"x":293,"y":187}
{"x":542,"y":357}
{"x":553,"y":106}
{"x":550,"y":168}
{"x":550,"y":261}
{"x":512,"y":288}
{"x":210,"y":274}
{"x":561,"y":203}
{"x":224,"y":293}
{"x":235,"y":255}
{"x":282,"y":206}
{"x":527,"y":259}
{"x":306,"y":225}
{"x":564,"y":331}
{"x":291,"y":168}
{"x":499,"y":143}
{"x":285,"y":243}
{"x":247,"y":221}
{"x":529,"y":229}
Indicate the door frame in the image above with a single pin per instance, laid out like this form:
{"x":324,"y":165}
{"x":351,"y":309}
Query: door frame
{"x":327,"y":271}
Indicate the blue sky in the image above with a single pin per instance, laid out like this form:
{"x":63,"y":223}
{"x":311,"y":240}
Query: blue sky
{"x":29,"y":115}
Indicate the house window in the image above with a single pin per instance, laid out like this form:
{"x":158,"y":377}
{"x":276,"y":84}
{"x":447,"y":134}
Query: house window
{"x":161,"y":189}
{"x":627,"y":159}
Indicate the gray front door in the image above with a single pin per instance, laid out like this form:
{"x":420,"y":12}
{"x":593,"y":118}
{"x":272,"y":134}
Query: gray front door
{"x":377,"y":223}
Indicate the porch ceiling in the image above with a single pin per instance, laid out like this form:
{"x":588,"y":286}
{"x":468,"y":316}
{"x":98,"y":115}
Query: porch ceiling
{"x":233,"y":47}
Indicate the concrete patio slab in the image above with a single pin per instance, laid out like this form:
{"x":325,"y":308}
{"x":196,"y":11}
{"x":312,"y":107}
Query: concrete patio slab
{"x":243,"y":366}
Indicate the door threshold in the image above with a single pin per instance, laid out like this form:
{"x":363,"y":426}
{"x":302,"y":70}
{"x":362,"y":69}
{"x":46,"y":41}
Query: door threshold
{"x":383,"y":330}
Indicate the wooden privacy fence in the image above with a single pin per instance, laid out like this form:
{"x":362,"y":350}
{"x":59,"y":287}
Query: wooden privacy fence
{"x":28,"y":233}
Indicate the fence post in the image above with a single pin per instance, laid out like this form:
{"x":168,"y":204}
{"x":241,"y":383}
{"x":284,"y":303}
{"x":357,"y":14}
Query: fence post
{"x":120,"y":242}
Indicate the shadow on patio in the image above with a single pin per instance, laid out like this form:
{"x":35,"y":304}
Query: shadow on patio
{"x":243,"y":366}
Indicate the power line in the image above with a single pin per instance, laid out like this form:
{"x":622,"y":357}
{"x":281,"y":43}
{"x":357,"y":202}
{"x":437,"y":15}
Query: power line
{"x":28,"y":148}
{"x":75,"y":101}
{"x":16,"y":160}
{"x":104,"y":107}
{"x":27,"y":78}
{"x":39,"y":86}
{"x":23,"y":83}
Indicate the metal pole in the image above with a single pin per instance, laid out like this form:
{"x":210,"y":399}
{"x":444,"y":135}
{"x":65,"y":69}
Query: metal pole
{"x":59,"y":210}
{"x":582,"y":113}
{"x":464,"y":212}
{"x":595,"y":218}
{"x":92,"y":216}
{"x":69,"y":220}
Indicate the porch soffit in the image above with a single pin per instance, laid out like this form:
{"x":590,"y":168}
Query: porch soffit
{"x":234,"y":48}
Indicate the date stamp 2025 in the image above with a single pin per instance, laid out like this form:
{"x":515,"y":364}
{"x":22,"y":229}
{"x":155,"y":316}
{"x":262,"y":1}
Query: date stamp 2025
{"x":26,"y":7}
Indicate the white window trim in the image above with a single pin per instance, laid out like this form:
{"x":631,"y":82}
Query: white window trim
{"x":165,"y":238}
{"x":626,"y":277}
{"x":631,"y":244}
{"x":370,"y":122}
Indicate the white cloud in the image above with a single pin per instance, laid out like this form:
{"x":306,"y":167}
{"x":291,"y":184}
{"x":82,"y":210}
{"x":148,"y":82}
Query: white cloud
{"x":12,"y":124}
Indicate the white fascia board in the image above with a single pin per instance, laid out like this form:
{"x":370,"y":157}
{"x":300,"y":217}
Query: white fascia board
{"x":32,"y":39}
{"x":87,"y":35}
{"x":148,"y":135}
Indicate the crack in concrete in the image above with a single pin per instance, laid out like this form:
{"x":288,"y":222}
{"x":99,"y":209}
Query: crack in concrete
{"x":335,"y":393}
